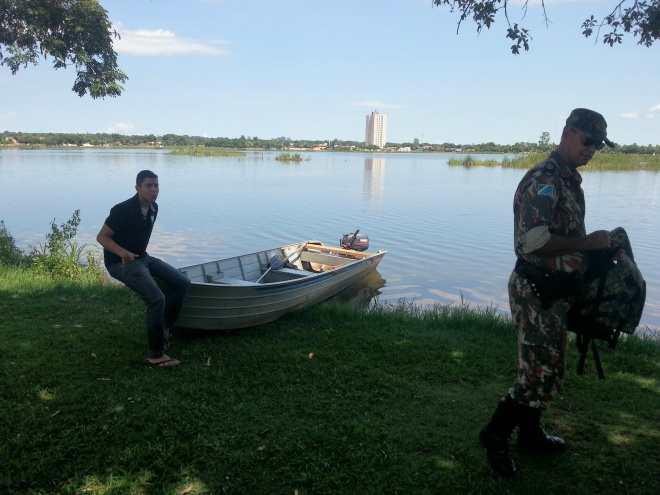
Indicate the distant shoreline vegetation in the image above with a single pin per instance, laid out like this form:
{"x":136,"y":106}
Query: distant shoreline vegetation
{"x":205,"y":152}
{"x":600,"y":161}
{"x":26,"y":140}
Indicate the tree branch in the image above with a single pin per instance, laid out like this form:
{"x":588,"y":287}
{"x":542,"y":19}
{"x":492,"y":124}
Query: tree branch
{"x":642,"y":18}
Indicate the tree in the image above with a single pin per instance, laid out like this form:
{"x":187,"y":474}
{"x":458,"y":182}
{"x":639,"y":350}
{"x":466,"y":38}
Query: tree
{"x":641,"y":17}
{"x":545,"y":138}
{"x":71,"y":32}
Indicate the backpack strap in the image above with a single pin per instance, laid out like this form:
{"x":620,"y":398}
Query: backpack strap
{"x":587,"y":331}
{"x":583,"y":341}
{"x":586,"y":328}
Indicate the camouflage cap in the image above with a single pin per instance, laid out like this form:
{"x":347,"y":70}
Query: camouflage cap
{"x":590,"y":122}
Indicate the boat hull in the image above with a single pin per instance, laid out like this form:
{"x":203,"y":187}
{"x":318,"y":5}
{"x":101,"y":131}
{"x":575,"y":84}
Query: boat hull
{"x":232,"y":303}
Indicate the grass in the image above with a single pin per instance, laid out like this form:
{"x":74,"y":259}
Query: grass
{"x":196,"y":151}
{"x":600,"y":161}
{"x":326,"y":401}
{"x":289,"y":157}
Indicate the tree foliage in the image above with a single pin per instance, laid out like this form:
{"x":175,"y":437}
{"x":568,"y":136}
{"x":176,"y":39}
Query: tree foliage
{"x":639,"y":17}
{"x":69,"y":32}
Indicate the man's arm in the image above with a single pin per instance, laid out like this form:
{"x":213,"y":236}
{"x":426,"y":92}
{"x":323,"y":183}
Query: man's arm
{"x":558,"y":245}
{"x":105,"y":239}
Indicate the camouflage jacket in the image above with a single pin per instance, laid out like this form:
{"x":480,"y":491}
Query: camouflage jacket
{"x":549,"y":200}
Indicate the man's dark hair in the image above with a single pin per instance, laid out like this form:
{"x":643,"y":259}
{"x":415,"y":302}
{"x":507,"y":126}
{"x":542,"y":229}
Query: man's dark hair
{"x":144,"y":174}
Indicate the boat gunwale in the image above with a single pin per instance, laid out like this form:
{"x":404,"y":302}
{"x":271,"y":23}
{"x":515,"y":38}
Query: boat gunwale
{"x":302,"y":280}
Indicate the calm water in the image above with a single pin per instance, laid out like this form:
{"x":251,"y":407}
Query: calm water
{"x":448,"y":230}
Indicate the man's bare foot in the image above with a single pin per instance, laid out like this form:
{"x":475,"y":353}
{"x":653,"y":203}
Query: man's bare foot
{"x":163,"y":362}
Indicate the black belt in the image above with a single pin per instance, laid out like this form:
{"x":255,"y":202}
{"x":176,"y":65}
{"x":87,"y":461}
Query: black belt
{"x":548,"y":285}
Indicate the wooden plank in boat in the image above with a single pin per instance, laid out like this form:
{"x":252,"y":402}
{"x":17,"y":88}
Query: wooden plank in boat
{"x":324,"y":259}
{"x":348,"y":252}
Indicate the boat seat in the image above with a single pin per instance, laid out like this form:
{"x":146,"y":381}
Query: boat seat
{"x":214,"y":279}
{"x":293,"y":272}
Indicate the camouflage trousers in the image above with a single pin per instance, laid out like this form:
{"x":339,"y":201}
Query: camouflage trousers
{"x":542,"y":336}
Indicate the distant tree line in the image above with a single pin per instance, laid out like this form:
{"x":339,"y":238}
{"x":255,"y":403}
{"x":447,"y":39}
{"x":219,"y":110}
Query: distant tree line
{"x":281,"y":143}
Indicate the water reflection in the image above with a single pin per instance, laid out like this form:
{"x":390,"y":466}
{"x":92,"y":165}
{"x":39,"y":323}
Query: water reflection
{"x":374,"y":181}
{"x":364,"y":293}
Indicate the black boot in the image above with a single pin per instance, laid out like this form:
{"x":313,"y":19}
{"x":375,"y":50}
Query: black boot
{"x":531,"y":437}
{"x":495,"y":436}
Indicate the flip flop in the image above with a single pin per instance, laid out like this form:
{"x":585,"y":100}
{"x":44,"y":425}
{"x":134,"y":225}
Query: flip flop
{"x":162,"y":364}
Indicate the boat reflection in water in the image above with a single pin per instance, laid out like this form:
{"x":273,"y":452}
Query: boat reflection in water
{"x":364,"y":293}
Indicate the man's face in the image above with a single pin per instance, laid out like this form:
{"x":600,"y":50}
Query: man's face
{"x":148,"y":190}
{"x":577,"y":154}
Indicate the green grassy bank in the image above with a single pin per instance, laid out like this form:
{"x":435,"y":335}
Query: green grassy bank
{"x":326,"y":401}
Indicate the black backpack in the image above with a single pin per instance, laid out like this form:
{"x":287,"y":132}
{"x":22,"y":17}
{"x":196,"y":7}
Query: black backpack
{"x":610,"y":300}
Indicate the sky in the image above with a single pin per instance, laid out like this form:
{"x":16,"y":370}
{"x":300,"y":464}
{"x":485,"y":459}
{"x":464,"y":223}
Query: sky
{"x":305,"y":69}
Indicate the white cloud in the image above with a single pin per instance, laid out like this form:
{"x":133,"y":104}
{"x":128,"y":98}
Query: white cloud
{"x":377,"y":104}
{"x":160,"y":42}
{"x":120,"y":128}
{"x":655,"y":108}
{"x":8,"y":115}
{"x":630,"y":115}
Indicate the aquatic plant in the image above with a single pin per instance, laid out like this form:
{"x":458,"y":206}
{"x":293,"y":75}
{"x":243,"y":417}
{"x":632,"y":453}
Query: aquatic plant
{"x":289,"y":157}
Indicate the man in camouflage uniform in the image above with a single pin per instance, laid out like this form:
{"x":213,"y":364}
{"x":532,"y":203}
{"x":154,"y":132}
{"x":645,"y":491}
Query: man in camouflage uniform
{"x":552,"y":248}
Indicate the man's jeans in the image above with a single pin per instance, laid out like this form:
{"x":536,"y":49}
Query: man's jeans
{"x":162,"y":308}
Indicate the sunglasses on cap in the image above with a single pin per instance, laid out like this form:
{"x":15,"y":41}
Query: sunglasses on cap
{"x":586,"y":142}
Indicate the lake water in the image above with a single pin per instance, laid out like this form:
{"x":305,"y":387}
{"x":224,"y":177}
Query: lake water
{"x":448,"y":230}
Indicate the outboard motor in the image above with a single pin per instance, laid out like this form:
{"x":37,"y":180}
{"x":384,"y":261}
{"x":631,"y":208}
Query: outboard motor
{"x":356,"y":241}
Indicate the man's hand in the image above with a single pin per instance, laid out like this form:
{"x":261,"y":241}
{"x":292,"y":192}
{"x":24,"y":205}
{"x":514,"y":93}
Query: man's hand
{"x":128,"y":257}
{"x":105,"y":239}
{"x":598,"y":240}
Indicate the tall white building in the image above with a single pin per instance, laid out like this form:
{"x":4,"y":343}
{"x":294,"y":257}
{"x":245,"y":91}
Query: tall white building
{"x":376,"y":130}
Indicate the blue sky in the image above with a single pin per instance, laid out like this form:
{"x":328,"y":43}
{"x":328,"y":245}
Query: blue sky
{"x":306,"y":69}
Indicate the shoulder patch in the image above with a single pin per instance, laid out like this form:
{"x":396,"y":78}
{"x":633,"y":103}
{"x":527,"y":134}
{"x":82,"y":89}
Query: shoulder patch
{"x":545,"y":189}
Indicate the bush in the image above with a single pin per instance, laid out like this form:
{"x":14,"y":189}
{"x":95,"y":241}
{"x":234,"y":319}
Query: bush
{"x":10,"y":255}
{"x":62,"y":257}
{"x":68,"y":263}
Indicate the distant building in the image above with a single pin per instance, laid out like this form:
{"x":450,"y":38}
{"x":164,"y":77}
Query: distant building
{"x":376,"y":130}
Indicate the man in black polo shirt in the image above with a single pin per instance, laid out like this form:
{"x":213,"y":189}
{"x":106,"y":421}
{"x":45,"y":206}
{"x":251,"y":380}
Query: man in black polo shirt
{"x":124,"y":237}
